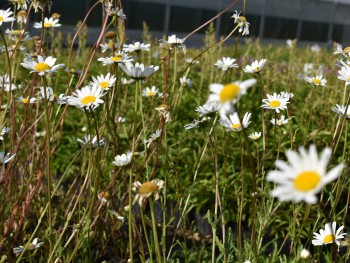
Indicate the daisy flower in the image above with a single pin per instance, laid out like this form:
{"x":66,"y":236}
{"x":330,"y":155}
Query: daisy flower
{"x":208,"y":109}
{"x":137,"y":46}
{"x":242,"y":23}
{"x":304,"y":177}
{"x":153,"y":137}
{"x":126,"y":81}
{"x":232,"y":123}
{"x":124,"y":159}
{"x":86,"y":142}
{"x":138,"y":71}
{"x":317,"y":81}
{"x":48,"y":22}
{"x":7,"y":85}
{"x":22,"y":17}
{"x":275,"y":102}
{"x":4,"y":131}
{"x":104,"y":82}
{"x":172,"y":43}
{"x":5,"y":158}
{"x":5,"y":16}
{"x":287,"y":94}
{"x":315,"y":48}
{"x":344,"y":73}
{"x":255,"y":135}
{"x":150,"y":92}
{"x":26,"y":100}
{"x":186,"y":82}
{"x":279,"y":122}
{"x":108,"y":46}
{"x":88,"y":96}
{"x":116,"y":58}
{"x":197,"y":123}
{"x":42,"y":66}
{"x":338,"y":49}
{"x":16,"y":34}
{"x":328,"y":235}
{"x":147,"y":189}
{"x":225,"y":63}
{"x":47,"y":93}
{"x":164,"y":112}
{"x":340,"y":109}
{"x":255,"y":67}
{"x":29,"y":246}
{"x":104,"y":197}
{"x":229,"y":94}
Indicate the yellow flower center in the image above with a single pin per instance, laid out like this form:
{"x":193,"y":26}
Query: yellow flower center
{"x":148,"y":188}
{"x":275,"y":104}
{"x":42,"y":66}
{"x":236,"y":126}
{"x":307,"y":180}
{"x":88,"y":99}
{"x":256,"y":69}
{"x":47,"y":24}
{"x":150,"y":93}
{"x":25,"y":100}
{"x":229,"y":92}
{"x":329,"y":238}
{"x":116,"y":58}
{"x":1,"y":18}
{"x":346,"y":50}
{"x":16,"y":32}
{"x":316,"y":81}
{"x":243,"y":18}
{"x":279,"y":122}
{"x":104,"y":84}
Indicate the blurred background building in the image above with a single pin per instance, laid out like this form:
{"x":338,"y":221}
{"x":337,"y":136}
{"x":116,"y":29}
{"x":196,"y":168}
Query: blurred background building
{"x":321,"y":21}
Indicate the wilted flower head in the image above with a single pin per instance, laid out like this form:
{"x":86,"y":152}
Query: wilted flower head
{"x":173,"y":42}
{"x":164,"y":111}
{"x":242,"y":23}
{"x":147,"y":189}
{"x":30,"y":246}
{"x":42,"y":4}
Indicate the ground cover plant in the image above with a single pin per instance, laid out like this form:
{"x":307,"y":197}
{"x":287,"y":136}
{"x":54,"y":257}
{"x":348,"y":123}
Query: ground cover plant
{"x":153,"y":152}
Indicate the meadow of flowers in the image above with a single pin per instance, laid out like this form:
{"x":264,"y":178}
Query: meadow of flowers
{"x":153,"y":152}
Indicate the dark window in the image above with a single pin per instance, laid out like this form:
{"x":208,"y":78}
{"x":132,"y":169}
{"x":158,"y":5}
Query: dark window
{"x":280,"y":28}
{"x":314,"y":31}
{"x":184,"y":19}
{"x":137,"y":13}
{"x":337,"y":33}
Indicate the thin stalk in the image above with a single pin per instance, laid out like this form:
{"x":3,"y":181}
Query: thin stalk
{"x":154,"y":229}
